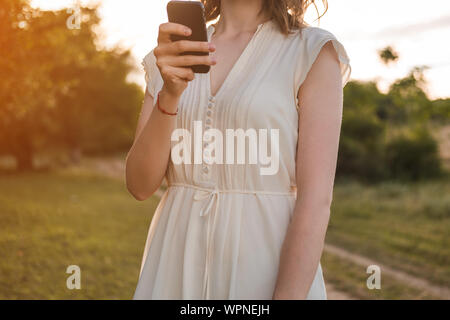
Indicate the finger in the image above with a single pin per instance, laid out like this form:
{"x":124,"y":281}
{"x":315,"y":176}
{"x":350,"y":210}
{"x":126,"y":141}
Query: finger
{"x":181,"y":73}
{"x":183,"y":61}
{"x":170,"y":28}
{"x":178,"y":47}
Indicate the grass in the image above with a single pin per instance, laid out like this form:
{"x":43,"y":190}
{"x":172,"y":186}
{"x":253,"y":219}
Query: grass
{"x":49,"y":221}
{"x":351,"y":278}
{"x":405,"y":226}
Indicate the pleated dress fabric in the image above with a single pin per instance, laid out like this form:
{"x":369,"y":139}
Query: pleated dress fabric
{"x":218,"y":230}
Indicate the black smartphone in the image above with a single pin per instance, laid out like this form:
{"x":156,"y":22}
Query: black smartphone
{"x":192,"y":15}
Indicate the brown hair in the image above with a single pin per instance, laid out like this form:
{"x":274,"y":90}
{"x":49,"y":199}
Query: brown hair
{"x":289,"y":14}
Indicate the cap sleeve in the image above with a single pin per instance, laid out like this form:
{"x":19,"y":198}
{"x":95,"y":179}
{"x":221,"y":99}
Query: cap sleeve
{"x":152,"y":74}
{"x":313,"y":39}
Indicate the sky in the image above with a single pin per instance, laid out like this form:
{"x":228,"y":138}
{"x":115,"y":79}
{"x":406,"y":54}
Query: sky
{"x":418,"y":30}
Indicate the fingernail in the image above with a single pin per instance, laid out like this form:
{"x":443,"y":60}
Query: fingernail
{"x":213,"y":60}
{"x":212,"y":47}
{"x":187,"y":31}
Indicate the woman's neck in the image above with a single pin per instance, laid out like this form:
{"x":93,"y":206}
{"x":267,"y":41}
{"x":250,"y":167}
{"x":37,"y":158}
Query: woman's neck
{"x":238,"y":16}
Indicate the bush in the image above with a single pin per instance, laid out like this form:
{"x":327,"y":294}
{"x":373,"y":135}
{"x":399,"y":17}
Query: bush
{"x":361,"y":148}
{"x":413,"y":155}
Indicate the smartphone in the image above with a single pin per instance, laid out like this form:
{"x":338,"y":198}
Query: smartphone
{"x":192,"y":15}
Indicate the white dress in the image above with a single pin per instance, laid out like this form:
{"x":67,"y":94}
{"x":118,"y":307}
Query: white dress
{"x":218,"y":230}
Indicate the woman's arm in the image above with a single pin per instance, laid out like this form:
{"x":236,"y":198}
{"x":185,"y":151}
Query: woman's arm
{"x":148,"y":158}
{"x":320,"y":115}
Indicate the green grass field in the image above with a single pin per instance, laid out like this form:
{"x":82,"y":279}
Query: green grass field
{"x":51,"y":220}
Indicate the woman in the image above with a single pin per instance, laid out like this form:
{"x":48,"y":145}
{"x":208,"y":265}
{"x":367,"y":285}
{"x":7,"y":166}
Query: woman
{"x":226,"y":231}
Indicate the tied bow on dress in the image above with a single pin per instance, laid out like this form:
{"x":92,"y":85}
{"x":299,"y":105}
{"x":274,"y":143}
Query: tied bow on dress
{"x":210,"y":196}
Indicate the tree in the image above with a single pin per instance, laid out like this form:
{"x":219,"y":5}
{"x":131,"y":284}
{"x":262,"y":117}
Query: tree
{"x":388,"y":55}
{"x":441,"y":110}
{"x":361,"y":148}
{"x":409,"y":102}
{"x":59,"y":89}
{"x":14,"y":110}
{"x":413,"y":154}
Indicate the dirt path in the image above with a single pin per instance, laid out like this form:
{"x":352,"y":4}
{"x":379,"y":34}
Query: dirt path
{"x":408,"y":279}
{"x":334,"y":294}
{"x":111,"y":167}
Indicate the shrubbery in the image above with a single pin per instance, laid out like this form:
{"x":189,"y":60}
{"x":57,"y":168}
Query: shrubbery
{"x":361,"y":149}
{"x":368,"y":152}
{"x":413,"y":155}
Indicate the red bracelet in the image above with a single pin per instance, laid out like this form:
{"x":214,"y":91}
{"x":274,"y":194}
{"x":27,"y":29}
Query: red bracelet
{"x":164,"y":111}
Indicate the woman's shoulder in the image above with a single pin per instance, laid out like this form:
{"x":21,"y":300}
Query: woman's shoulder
{"x":309,"y":41}
{"x":309,"y":35}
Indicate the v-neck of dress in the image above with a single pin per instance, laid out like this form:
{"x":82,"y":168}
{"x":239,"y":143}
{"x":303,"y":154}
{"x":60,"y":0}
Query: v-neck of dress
{"x":244,"y":53}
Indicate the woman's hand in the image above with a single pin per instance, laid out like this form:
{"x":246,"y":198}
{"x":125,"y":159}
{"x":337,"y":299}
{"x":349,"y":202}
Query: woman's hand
{"x":173,"y":66}
{"x":146,"y":168}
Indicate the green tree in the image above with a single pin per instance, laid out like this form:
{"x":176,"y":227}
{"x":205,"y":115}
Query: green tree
{"x":413,"y":154}
{"x":59,"y":89}
{"x":388,"y":55}
{"x":361,"y":148}
{"x":441,"y":111}
{"x":409,"y":102}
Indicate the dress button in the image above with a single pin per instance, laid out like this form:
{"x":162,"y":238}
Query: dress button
{"x":209,"y":113}
{"x":210,"y":105}
{"x":205,"y":145}
{"x":208,"y":121}
{"x":207,"y":127}
{"x":212,"y":99}
{"x":205,"y":169}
